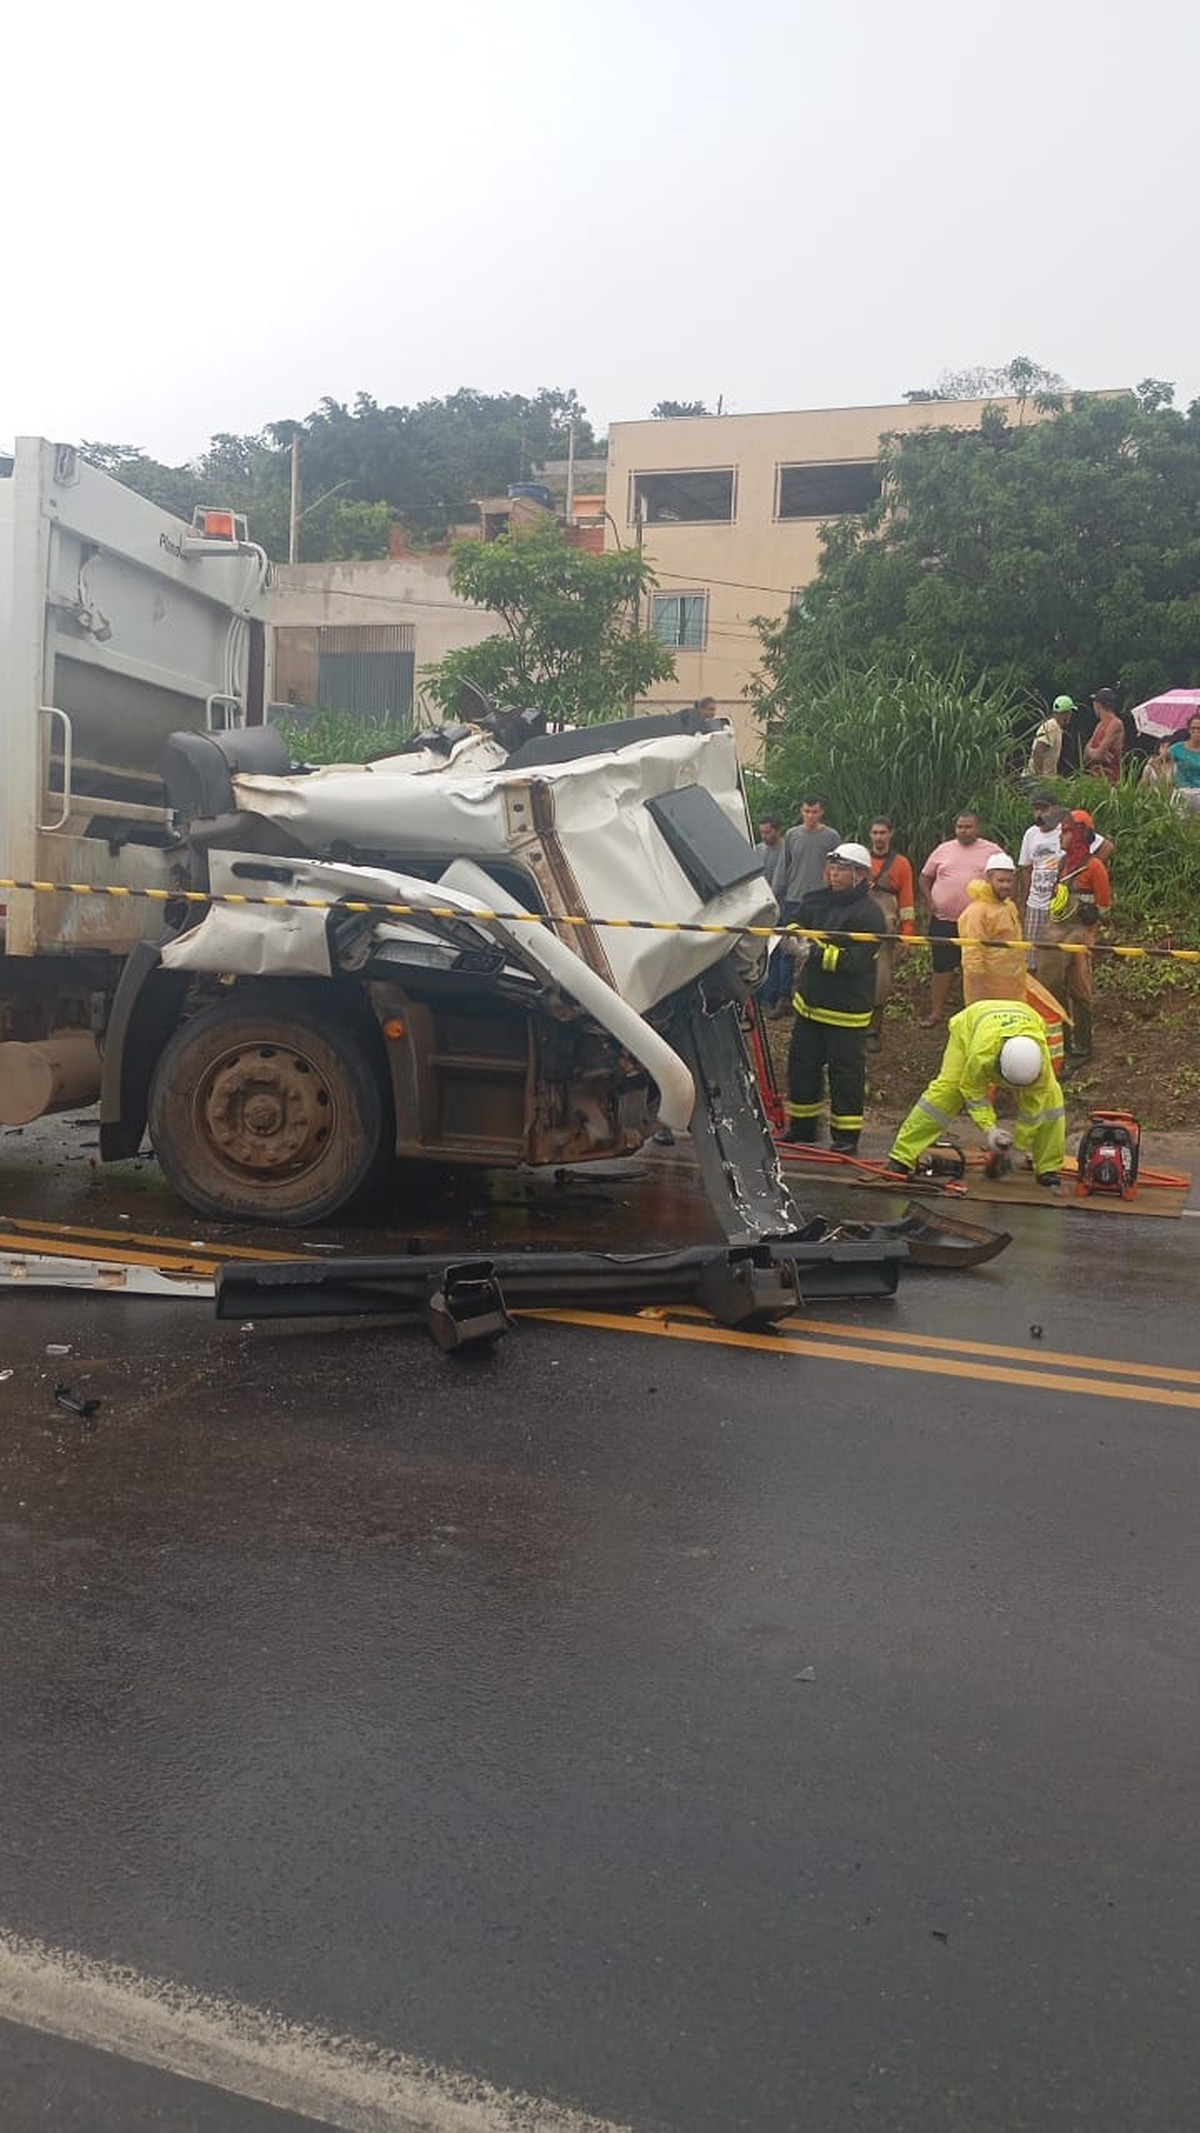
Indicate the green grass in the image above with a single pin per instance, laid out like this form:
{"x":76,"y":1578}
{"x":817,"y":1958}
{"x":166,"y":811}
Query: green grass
{"x":338,"y":737}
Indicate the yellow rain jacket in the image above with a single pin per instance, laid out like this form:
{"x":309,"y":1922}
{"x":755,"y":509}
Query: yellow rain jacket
{"x":991,"y":968}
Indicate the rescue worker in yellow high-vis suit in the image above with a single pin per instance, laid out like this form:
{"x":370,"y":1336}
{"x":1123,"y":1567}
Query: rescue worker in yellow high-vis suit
{"x":996,"y":1040}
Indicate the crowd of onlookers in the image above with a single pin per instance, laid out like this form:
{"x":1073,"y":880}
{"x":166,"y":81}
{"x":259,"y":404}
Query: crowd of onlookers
{"x":991,"y":920}
{"x":1017,"y":933}
{"x":1174,"y":765}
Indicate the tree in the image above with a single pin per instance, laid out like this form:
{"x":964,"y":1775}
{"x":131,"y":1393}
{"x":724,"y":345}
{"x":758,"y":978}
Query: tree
{"x":679,"y":410}
{"x":431,"y":462}
{"x":248,"y":474}
{"x":572,"y":647}
{"x":1058,"y":555}
{"x":1021,"y":379}
{"x":425,"y":464}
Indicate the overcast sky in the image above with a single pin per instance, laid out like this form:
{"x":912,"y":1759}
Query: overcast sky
{"x":215,"y":214}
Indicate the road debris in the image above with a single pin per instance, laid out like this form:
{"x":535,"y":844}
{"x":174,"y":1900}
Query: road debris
{"x":74,"y":1404}
{"x":466,"y":1301}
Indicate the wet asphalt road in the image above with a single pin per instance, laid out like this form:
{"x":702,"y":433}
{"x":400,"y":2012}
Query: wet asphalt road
{"x":708,"y":1737}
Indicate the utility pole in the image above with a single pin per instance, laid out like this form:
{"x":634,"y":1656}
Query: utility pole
{"x":637,"y":598}
{"x":294,"y":503}
{"x":570,"y":473}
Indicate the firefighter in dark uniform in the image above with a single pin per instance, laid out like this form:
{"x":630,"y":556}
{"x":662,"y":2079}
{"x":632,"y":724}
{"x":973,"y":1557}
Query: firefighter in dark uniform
{"x":834,"y":999}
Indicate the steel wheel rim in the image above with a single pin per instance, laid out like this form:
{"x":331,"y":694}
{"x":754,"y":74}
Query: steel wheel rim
{"x":265,"y":1112}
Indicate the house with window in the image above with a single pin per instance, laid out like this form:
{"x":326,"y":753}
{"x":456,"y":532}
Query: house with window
{"x":354,"y":636}
{"x":729,"y":510}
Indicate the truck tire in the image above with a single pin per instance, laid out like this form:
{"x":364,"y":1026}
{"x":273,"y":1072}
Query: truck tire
{"x":267,"y":1109}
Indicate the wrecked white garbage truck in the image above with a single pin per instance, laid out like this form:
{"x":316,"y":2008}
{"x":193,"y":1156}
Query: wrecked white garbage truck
{"x":286,"y":1038}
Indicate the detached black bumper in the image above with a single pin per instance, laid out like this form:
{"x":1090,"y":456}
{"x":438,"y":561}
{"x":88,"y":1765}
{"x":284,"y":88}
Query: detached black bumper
{"x":467,"y":1300}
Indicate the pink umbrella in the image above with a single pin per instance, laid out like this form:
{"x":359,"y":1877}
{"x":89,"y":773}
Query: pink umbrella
{"x":1164,"y":716}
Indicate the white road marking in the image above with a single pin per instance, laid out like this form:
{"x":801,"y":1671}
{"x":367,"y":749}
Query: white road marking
{"x":246,"y":2051}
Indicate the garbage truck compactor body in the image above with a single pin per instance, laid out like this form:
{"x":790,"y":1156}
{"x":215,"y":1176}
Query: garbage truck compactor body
{"x":285,"y":1041}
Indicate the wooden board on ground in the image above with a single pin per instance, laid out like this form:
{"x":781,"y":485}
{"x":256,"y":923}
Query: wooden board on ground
{"x":1021,"y":1189}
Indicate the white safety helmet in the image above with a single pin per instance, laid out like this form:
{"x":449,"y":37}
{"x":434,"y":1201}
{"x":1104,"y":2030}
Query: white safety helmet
{"x":1000,"y":863}
{"x":854,"y":855}
{"x":1020,"y":1061}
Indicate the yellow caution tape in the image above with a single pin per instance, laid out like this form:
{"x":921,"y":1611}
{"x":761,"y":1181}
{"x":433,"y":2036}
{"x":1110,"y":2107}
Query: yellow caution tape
{"x":366,"y":907}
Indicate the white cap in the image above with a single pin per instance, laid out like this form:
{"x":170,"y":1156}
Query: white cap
{"x":855,"y":855}
{"x":1000,"y":863}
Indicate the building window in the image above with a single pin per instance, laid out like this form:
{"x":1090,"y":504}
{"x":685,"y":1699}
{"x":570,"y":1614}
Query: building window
{"x":827,"y":491}
{"x":680,"y":620}
{"x":703,"y":497}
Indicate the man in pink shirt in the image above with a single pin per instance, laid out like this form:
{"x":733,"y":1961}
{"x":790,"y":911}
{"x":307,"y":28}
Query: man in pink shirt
{"x":945,"y":876}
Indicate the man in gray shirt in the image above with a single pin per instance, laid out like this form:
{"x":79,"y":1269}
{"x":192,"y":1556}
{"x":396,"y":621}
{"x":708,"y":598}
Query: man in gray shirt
{"x":806,"y":848}
{"x":771,"y":853}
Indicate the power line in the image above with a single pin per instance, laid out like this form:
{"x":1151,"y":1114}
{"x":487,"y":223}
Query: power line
{"x":715,"y":629}
{"x":733,"y":584}
{"x":675,"y":576}
{"x":350,"y":592}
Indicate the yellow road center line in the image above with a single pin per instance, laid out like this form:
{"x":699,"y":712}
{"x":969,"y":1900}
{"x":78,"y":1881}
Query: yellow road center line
{"x":202,"y":1265}
{"x":800,"y":1328}
{"x":877,"y":1358}
{"x":22,"y":1231}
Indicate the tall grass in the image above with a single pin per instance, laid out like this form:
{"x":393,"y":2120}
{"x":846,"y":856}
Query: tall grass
{"x":919,"y":747}
{"x":340,"y":737}
{"x":915,"y":746}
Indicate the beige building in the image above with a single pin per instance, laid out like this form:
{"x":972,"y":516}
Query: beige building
{"x":355,"y":636}
{"x":730,"y":509}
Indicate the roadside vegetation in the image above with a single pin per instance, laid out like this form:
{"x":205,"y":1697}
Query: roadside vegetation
{"x":365,"y":466}
{"x":919,"y":746}
{"x":570,"y":643}
{"x":1053,"y":553}
{"x":1000,"y":567}
{"x":341,"y":737}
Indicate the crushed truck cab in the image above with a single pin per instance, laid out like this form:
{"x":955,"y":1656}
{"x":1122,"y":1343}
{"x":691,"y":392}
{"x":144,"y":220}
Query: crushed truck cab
{"x":477,"y":950}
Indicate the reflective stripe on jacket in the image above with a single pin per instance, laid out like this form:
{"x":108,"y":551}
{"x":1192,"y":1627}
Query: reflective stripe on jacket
{"x":837,"y":982}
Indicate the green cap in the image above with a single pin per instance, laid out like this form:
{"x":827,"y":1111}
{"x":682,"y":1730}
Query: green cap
{"x":1064,"y":703}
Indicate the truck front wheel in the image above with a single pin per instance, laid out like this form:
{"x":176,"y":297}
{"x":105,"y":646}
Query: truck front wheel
{"x":269,"y":1111}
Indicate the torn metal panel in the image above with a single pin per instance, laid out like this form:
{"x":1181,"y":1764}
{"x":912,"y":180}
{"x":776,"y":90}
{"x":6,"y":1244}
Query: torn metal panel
{"x":250,"y":941}
{"x":237,"y":943}
{"x":742,"y":1173}
{"x":39,"y":1270}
